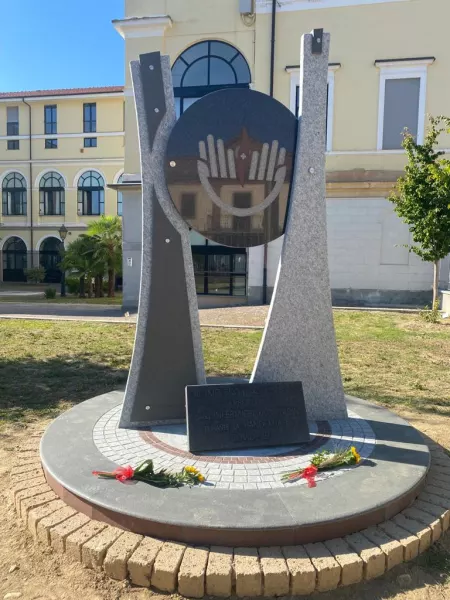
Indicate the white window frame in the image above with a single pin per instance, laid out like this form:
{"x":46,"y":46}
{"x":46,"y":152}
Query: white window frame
{"x":415,"y":69}
{"x":295,"y":82}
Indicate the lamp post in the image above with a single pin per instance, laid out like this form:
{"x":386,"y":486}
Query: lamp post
{"x":63,"y":234}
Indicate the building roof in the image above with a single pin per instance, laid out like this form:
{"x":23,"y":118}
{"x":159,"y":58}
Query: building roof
{"x":64,"y":92}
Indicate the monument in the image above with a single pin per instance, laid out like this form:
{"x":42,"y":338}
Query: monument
{"x":241,"y":170}
{"x":251,"y":172}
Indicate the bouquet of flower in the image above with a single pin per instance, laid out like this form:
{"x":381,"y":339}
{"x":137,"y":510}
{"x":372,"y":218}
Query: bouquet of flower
{"x":324,"y":461}
{"x":146,"y":472}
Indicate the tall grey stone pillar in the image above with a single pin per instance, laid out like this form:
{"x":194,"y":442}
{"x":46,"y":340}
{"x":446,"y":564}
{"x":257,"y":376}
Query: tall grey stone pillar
{"x":299,"y":341}
{"x":167,"y":351}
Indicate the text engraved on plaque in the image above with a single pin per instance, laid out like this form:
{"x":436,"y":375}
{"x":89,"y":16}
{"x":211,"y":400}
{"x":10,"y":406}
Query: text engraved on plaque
{"x":239,"y":416}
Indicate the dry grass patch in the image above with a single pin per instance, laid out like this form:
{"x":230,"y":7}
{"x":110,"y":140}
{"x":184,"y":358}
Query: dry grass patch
{"x":395,"y":359}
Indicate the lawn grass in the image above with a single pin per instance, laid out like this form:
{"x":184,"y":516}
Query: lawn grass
{"x":390,"y":358}
{"x":395,"y":359}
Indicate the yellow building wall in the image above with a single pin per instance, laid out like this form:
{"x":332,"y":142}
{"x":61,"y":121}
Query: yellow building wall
{"x":70,"y":160}
{"x":192,"y":21}
{"x":360,"y":36}
{"x":70,"y":173}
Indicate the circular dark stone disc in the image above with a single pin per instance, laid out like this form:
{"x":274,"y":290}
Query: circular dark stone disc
{"x":229,"y":166}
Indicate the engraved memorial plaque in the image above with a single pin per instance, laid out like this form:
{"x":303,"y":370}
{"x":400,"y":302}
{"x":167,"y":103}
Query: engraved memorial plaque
{"x":258,"y":415}
{"x":229,"y":166}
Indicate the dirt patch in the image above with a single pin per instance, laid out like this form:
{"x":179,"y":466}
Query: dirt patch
{"x":40,"y":573}
{"x":234,"y":315}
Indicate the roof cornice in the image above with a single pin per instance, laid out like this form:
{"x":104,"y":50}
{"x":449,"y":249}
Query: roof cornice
{"x":265,"y":6}
{"x":63,"y":94}
{"x":138,"y":27}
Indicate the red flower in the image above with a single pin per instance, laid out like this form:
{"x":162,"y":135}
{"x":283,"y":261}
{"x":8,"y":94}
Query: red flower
{"x":121,"y":473}
{"x":124,"y":473}
{"x":310,"y":475}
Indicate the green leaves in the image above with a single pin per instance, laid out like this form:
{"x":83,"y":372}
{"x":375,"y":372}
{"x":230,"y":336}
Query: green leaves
{"x":97,"y":252}
{"x":144,"y":469}
{"x":342,"y":457}
{"x":422,"y":195}
{"x":164,"y":479}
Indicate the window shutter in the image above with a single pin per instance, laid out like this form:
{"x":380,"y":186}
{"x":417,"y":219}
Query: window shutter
{"x":12,"y":114}
{"x":401,"y":110}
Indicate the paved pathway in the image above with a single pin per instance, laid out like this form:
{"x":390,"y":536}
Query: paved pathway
{"x":242,"y":316}
{"x":11,"y":294}
{"x":64,"y":312}
{"x":235,"y":316}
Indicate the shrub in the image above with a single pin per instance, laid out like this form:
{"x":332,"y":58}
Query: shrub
{"x":73,"y":285}
{"x":35,"y":274}
{"x":50,"y":293}
{"x":432,"y":315}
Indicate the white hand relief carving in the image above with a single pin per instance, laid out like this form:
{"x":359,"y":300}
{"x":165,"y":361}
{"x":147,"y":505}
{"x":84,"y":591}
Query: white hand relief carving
{"x":243,"y":165}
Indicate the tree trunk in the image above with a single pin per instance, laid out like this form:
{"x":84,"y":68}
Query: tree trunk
{"x":111,"y":282}
{"x":98,"y":286}
{"x":82,"y":293}
{"x":436,"y":283}
{"x":89,"y":286}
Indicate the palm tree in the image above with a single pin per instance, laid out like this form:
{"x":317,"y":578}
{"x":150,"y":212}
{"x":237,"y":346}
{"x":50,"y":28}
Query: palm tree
{"x":107,"y":234}
{"x":79,"y":258}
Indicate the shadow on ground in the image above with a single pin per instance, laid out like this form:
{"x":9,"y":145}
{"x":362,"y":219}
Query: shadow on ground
{"x":37,"y":389}
{"x":423,"y":404}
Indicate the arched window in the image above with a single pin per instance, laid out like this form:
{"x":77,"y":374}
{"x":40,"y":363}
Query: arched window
{"x":120,"y":198}
{"x":51,"y":194}
{"x":14,"y":194}
{"x":14,"y":259}
{"x":207,"y":67}
{"x":91,"y":194}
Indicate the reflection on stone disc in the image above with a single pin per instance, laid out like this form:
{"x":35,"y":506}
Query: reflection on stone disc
{"x":229,"y":166}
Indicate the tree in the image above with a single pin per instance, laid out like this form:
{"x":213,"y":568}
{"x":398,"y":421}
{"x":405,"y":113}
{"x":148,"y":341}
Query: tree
{"x":107,"y":234}
{"x":422,"y":197}
{"x":79,"y":258}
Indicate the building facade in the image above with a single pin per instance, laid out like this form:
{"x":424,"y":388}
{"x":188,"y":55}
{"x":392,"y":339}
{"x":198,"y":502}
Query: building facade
{"x":59,"y":151}
{"x":388,"y":69}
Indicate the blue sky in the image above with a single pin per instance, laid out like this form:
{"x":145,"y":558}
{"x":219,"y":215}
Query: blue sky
{"x":48,"y":44}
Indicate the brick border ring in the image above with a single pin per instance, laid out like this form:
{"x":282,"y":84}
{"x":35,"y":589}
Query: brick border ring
{"x":220,"y":571}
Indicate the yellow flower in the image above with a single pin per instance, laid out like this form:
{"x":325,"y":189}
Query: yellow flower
{"x":356,"y":455}
{"x":191,"y":470}
{"x":201,"y":478}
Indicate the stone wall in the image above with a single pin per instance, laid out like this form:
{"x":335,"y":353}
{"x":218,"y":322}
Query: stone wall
{"x":368,"y":264}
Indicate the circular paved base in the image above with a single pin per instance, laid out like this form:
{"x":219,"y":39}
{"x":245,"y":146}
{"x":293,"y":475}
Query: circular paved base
{"x":243,"y":502}
{"x":259,"y":468}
